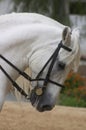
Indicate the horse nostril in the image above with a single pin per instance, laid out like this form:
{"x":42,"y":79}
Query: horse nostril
{"x":47,"y":107}
{"x":43,"y":108}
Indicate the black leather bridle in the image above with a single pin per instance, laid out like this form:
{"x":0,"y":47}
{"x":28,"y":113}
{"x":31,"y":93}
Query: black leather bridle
{"x":38,"y":90}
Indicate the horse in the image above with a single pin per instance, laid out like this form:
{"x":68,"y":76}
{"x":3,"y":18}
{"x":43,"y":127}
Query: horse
{"x":29,"y":40}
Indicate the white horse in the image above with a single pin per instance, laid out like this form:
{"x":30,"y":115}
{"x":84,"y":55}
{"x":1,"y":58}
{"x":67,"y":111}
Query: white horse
{"x":29,"y":39}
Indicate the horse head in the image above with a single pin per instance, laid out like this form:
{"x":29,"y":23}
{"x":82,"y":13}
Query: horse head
{"x":65,"y":62}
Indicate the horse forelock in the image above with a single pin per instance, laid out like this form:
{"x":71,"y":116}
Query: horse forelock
{"x":72,"y":58}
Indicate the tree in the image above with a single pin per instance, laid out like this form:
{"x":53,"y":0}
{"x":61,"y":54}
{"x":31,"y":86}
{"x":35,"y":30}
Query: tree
{"x":61,"y":11}
{"x":56,"y":9}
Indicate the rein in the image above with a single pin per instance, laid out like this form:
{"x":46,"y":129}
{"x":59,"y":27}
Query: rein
{"x":38,"y":90}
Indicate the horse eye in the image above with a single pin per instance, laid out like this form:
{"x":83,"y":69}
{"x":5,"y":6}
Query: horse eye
{"x":61,"y":65}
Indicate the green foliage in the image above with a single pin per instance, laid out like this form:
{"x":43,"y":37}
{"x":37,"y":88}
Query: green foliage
{"x":74,"y":93}
{"x":78,"y":7}
{"x":71,"y":101}
{"x":41,"y":6}
{"x":56,"y":9}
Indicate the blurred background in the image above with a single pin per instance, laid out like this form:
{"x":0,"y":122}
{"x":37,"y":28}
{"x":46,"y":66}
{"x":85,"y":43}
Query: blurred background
{"x":68,"y":12}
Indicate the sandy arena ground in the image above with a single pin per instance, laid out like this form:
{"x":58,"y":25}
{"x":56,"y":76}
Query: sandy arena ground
{"x":23,"y":116}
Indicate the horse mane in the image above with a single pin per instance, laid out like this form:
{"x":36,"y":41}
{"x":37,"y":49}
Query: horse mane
{"x":15,"y":19}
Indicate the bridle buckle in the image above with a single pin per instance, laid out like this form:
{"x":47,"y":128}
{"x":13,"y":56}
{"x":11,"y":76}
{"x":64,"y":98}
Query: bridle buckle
{"x":39,"y":91}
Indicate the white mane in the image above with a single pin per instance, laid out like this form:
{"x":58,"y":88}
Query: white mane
{"x":16,"y":19}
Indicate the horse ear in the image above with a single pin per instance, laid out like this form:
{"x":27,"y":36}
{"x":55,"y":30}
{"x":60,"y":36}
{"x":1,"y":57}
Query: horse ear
{"x":66,"y":36}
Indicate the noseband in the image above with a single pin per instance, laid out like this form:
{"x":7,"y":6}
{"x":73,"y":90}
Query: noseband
{"x":38,"y":90}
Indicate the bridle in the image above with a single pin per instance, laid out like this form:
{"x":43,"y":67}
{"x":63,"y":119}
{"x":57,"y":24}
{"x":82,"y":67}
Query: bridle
{"x":38,"y":90}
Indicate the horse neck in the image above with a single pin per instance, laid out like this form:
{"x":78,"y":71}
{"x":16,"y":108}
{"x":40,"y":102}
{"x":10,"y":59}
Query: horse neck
{"x":22,"y":42}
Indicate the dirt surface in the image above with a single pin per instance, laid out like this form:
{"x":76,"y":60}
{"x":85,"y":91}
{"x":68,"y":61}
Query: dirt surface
{"x":23,"y":116}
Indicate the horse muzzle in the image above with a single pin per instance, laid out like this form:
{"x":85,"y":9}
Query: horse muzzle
{"x":40,"y":101}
